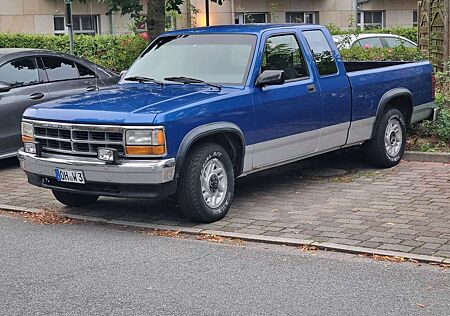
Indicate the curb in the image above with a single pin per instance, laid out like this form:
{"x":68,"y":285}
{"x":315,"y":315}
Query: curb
{"x":427,"y":156}
{"x":247,"y":237}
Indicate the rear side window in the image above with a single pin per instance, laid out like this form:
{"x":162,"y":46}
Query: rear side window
{"x":371,"y":42}
{"x":321,"y":51}
{"x":282,"y":52}
{"x":60,"y":69}
{"x":85,"y":72}
{"x":20,"y":72}
{"x":395,"y":42}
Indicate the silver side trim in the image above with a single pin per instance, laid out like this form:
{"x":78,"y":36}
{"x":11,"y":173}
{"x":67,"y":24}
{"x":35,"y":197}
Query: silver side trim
{"x":128,"y":171}
{"x":360,"y":130}
{"x":284,"y":162}
{"x":284,"y":148}
{"x":423,"y":112}
{"x":332,"y":136}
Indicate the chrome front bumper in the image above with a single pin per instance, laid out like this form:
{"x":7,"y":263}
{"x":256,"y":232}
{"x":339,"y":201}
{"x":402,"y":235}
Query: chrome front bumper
{"x":126,"y":172}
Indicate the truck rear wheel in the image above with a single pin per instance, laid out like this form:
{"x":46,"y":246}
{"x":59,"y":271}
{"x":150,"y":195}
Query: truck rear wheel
{"x":387,"y":146}
{"x":206,"y":184}
{"x":74,"y":199}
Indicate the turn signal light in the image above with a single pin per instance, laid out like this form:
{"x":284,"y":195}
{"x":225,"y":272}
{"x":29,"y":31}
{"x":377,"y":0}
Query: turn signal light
{"x":26,"y":139}
{"x":146,"y":150}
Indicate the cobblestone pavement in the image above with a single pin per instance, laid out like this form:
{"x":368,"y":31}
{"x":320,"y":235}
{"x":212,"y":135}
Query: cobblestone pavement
{"x":406,"y":208}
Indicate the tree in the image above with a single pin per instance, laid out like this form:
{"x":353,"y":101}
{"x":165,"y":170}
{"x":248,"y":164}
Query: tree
{"x":156,"y":12}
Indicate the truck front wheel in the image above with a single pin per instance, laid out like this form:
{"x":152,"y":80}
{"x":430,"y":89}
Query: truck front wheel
{"x":206,"y":184}
{"x":387,"y":146}
{"x":73,"y":199}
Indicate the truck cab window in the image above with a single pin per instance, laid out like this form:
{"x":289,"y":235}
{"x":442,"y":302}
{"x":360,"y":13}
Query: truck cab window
{"x":282,"y":52}
{"x":321,"y":50}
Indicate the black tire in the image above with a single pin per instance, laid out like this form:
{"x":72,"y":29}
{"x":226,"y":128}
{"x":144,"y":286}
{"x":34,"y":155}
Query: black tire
{"x":190,"y":192}
{"x":74,"y":199}
{"x":376,"y":148}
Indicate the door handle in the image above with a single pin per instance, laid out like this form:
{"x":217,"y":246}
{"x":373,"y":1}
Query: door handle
{"x":91,"y":88}
{"x":36,"y":96}
{"x":311,"y":88}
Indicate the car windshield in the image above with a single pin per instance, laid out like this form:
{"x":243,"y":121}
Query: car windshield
{"x":212,"y":58}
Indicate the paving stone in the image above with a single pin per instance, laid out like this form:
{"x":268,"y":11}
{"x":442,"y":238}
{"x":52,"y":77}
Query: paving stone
{"x":416,"y":219}
{"x":396,"y":247}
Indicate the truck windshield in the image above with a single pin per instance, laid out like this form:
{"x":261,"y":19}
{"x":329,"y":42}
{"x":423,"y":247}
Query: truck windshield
{"x":212,"y":58}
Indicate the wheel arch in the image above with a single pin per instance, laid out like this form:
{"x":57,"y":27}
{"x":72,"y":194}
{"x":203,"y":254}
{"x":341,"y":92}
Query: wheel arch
{"x":227,"y":134}
{"x":399,"y":98}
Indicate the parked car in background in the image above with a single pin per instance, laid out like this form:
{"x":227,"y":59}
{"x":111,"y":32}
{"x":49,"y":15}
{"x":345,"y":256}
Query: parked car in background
{"x":372,"y":41}
{"x":30,"y":76}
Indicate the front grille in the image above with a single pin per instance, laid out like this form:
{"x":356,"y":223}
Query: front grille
{"x":78,"y":139}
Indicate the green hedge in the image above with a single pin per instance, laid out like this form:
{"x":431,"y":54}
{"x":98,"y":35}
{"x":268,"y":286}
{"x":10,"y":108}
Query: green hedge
{"x":381,"y":54}
{"x":116,"y":52}
{"x":408,"y":32}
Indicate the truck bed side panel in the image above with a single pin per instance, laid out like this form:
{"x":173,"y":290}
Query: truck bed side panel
{"x":369,"y":86}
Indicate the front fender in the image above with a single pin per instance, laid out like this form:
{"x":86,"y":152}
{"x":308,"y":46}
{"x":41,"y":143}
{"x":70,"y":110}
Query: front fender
{"x":203,"y":131}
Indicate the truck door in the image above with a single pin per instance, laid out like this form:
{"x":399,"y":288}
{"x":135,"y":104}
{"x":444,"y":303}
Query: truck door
{"x":335,"y":90}
{"x":288,"y":116}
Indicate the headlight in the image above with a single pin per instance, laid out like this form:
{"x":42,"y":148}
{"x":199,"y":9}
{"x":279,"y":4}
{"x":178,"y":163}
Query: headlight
{"x":27,"y":132}
{"x":143,"y":142}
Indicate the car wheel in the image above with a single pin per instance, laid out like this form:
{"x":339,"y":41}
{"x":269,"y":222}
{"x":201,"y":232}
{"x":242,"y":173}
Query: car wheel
{"x":206,"y":184}
{"x":74,"y":199}
{"x":387,"y":146}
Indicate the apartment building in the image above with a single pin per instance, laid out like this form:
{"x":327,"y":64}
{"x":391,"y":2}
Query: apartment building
{"x":47,"y":16}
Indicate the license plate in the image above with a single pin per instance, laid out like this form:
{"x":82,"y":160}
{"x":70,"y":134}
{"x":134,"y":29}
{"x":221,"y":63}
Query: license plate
{"x":72,"y":176}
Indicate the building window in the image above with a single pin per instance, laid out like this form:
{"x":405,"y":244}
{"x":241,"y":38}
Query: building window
{"x":302,"y":17}
{"x":371,"y":19}
{"x":246,"y":18}
{"x":59,"y":25}
{"x":82,"y":24}
{"x":415,"y":23}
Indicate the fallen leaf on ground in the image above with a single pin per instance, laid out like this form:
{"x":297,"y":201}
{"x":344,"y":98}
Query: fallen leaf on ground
{"x":212,"y":238}
{"x":421,"y":305}
{"x":308,"y":248}
{"x":165,"y":233}
{"x":48,"y":217}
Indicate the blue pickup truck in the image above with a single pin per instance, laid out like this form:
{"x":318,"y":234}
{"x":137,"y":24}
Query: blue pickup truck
{"x":203,"y":106}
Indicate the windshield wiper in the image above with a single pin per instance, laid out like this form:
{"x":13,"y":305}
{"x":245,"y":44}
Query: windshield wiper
{"x":141,"y":79}
{"x":187,"y":80}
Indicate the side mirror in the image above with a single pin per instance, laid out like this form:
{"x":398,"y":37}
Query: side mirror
{"x":270,"y":77}
{"x":4,"y":87}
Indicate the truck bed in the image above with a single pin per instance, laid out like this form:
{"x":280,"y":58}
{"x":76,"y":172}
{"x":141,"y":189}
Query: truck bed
{"x":351,"y":66}
{"x":371,"y":80}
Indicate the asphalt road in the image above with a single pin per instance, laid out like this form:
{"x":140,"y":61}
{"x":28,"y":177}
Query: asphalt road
{"x":94,"y":270}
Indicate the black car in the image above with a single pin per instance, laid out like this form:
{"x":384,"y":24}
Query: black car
{"x":31,"y":76}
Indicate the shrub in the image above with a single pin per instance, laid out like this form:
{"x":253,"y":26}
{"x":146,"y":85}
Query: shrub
{"x":437,"y":134}
{"x":116,"y":52}
{"x":381,"y":54}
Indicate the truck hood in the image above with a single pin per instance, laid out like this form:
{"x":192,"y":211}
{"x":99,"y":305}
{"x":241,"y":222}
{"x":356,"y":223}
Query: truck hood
{"x":131,"y":104}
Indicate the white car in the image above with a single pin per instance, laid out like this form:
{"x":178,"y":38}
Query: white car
{"x":372,"y":40}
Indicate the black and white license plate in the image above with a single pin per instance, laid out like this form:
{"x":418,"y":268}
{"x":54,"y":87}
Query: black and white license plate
{"x":72,"y":176}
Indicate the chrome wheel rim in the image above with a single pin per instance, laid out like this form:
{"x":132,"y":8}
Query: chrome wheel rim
{"x":214,"y":182}
{"x":393,"y":137}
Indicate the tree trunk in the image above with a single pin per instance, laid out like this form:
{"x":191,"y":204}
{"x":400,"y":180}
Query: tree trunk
{"x":156,"y":18}
{"x":188,"y":13}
